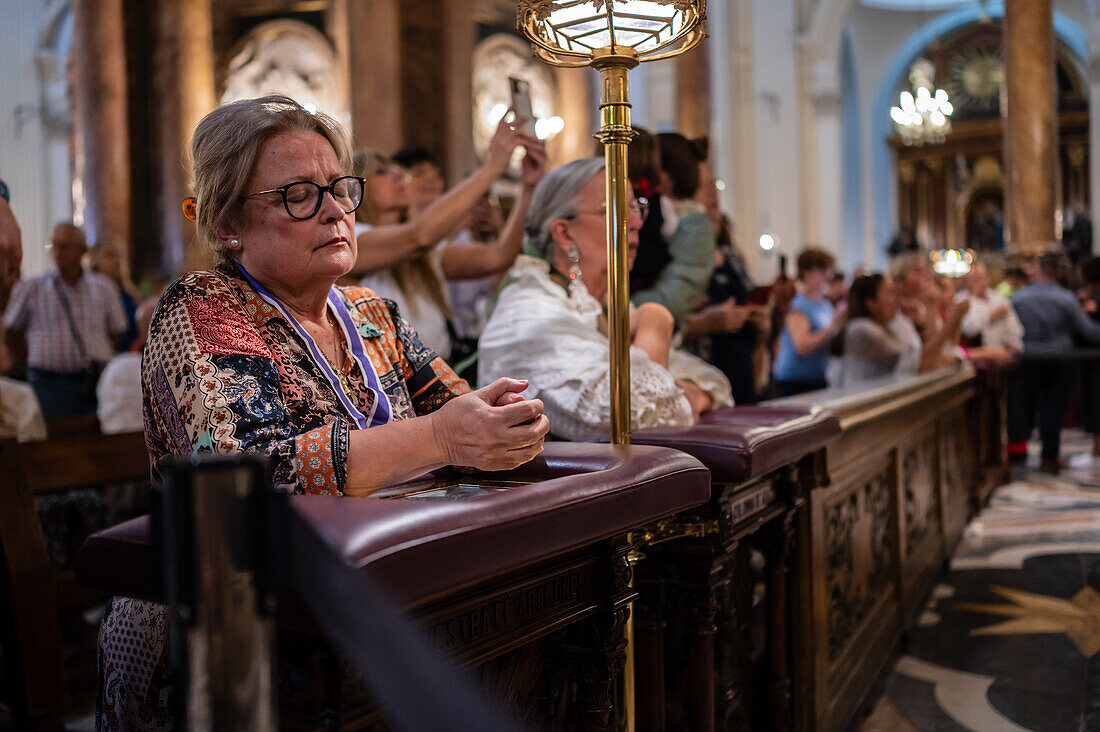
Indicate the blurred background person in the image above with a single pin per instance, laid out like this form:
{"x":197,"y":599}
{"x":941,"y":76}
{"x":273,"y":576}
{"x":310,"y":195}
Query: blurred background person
{"x":803,"y":356}
{"x":990,"y":322}
{"x":679,"y":243}
{"x":68,"y":320}
{"x":1089,"y":296}
{"x":1014,"y":279}
{"x":877,"y":340}
{"x":11,"y":245}
{"x":727,"y":330}
{"x":108,"y":259}
{"x":1054,"y":322}
{"x":838,"y":292}
{"x":118,"y":394}
{"x":424,"y":174}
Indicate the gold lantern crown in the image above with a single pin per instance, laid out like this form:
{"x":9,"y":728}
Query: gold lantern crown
{"x":571,"y":32}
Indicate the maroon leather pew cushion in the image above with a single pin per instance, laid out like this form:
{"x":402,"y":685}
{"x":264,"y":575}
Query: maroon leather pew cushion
{"x":743,"y":443}
{"x":120,"y":560}
{"x":427,"y":537}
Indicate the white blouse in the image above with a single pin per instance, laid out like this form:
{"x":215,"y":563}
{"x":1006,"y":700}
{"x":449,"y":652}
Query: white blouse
{"x":540,"y":332}
{"x":978,"y":321}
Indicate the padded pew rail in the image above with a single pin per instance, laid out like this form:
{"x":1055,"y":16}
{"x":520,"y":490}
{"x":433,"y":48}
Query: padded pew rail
{"x":418,"y":549}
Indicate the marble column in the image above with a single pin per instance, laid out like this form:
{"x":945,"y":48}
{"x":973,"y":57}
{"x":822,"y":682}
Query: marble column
{"x":1030,"y":126}
{"x":375,"y":32}
{"x":693,"y":92}
{"x":739,"y":164}
{"x":99,"y":91}
{"x":184,"y":60}
{"x":577,"y":106}
{"x":1094,"y":128}
{"x":425,"y":67}
{"x":460,"y":39}
{"x":807,"y":145}
{"x":828,"y":188}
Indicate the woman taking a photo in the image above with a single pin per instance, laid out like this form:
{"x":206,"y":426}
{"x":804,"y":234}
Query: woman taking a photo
{"x":409,"y":259}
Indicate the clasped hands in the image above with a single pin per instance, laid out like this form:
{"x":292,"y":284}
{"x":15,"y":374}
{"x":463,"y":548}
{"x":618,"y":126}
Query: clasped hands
{"x":493,"y":428}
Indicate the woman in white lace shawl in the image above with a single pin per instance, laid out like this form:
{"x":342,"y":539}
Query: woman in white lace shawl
{"x":549,"y":324}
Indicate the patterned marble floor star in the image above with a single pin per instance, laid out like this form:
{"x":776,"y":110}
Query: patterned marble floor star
{"x":1078,"y":618}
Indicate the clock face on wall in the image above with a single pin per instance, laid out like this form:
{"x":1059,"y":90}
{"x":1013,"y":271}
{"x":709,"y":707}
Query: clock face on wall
{"x":289,"y":57}
{"x":975,"y":80}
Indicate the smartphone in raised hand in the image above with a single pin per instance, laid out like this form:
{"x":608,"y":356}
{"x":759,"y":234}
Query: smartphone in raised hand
{"x":521,"y":105}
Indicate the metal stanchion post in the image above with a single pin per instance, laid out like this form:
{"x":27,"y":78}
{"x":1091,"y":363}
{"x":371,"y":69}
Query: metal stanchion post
{"x":216,"y":520}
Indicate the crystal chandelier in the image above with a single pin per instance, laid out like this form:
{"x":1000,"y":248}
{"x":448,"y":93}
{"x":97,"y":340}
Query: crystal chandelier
{"x":923,"y":115}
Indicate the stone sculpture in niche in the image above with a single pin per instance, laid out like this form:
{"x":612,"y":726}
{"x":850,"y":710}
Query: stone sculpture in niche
{"x":288,"y":57}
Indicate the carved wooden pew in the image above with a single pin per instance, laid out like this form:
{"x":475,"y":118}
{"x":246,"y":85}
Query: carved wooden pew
{"x":522,"y":574}
{"x":696,"y":584}
{"x":989,"y":420}
{"x":32,"y":591}
{"x":899,"y":487}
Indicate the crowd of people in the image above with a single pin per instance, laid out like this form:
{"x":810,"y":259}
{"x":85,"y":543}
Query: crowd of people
{"x":517,"y":289}
{"x":365,"y":324}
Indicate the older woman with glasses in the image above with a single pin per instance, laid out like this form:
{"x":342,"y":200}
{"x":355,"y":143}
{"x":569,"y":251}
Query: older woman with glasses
{"x":549,"y":325}
{"x":265,"y":354}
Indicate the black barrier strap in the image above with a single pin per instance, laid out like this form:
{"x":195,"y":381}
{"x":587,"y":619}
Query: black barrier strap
{"x":1077,"y":354}
{"x":418,"y":690}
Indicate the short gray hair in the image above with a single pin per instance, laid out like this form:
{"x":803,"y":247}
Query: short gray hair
{"x":555,"y":198}
{"x":225,"y":147}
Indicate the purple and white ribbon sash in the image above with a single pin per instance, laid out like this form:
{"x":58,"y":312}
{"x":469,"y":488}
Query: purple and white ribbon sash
{"x":381,"y":412}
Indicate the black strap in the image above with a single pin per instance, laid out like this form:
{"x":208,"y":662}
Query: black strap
{"x":72,"y":323}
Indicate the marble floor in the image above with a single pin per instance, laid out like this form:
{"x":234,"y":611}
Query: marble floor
{"x":1010,"y":638}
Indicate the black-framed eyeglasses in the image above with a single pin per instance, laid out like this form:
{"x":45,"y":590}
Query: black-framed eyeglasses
{"x":302,"y":198}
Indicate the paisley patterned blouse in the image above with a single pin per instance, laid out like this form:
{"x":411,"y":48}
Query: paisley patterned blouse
{"x":225,"y":372}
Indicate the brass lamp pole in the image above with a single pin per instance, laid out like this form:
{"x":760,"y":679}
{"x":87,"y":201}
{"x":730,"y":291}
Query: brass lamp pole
{"x":614,"y":36}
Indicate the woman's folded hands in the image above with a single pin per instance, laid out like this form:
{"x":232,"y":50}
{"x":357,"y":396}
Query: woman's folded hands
{"x":493,"y":428}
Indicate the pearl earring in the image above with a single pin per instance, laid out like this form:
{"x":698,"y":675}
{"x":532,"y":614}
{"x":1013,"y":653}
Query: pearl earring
{"x":234,"y":243}
{"x":574,"y":255}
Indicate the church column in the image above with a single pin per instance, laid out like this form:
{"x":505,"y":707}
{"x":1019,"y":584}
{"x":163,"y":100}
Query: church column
{"x":375,"y":32}
{"x":577,"y":106}
{"x":184,"y":61}
{"x":693,"y":92}
{"x":1030,"y":132}
{"x":99,"y":48}
{"x":459,"y":39}
{"x":734,"y":30}
{"x":825,"y":102}
{"x":1094,"y":127}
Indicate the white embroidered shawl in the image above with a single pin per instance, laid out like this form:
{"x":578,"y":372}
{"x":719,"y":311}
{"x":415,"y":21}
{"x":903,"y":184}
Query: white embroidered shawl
{"x":550,"y":337}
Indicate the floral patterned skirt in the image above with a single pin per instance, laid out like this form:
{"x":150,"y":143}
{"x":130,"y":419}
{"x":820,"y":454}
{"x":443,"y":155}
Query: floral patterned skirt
{"x":134,"y":690}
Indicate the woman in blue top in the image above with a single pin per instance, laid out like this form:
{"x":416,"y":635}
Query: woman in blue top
{"x":804,"y":343}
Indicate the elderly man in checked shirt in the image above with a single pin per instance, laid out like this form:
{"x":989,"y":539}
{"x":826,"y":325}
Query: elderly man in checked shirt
{"x":70,"y":318}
